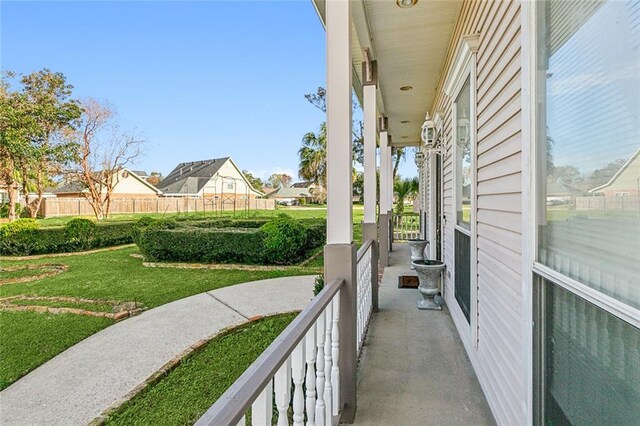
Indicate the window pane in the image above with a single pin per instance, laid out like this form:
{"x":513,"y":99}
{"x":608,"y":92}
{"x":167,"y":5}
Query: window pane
{"x":592,"y":363}
{"x":590,"y":149}
{"x":463,"y":158}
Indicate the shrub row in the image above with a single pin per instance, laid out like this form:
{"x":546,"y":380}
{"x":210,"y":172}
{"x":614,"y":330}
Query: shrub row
{"x":278,"y":241}
{"x":201,"y":245}
{"x":24,"y":237}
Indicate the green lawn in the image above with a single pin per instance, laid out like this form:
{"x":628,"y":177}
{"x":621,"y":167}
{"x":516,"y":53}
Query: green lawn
{"x":29,"y":338}
{"x":298,"y":212}
{"x":188,"y":391}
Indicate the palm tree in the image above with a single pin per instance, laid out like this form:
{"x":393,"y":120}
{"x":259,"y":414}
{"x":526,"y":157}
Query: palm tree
{"x":313,"y":159}
{"x":404,"y":188}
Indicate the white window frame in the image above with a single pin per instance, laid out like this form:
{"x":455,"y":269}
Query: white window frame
{"x":533,"y":271}
{"x":613,"y":306}
{"x":464,"y":66}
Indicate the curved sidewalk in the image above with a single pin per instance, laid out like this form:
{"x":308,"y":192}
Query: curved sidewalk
{"x":99,"y":372}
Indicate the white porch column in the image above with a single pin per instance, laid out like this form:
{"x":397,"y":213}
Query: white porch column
{"x":385,"y":206}
{"x":340,"y":251}
{"x":369,"y":101}
{"x":385,"y":172}
{"x":339,"y":149}
{"x":370,"y":225}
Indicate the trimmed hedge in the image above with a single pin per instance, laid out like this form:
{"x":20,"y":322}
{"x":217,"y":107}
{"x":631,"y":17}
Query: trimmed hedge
{"x":24,"y":237}
{"x":278,"y":241}
{"x":202,"y":245}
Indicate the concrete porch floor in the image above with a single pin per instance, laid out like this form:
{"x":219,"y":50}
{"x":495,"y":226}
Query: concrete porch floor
{"x":414,"y":369}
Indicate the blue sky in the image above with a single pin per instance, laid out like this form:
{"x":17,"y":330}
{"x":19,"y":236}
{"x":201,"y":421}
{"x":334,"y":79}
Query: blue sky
{"x":199,"y":80}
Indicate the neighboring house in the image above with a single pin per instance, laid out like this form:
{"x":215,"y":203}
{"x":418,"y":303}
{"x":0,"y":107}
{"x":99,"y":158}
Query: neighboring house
{"x":217,"y":178}
{"x":292,"y":195}
{"x":561,"y":193}
{"x":268,"y":190}
{"x":129,"y":185}
{"x":306,"y":184}
{"x":625,"y":182}
{"x":4,"y":192}
{"x":141,"y":174}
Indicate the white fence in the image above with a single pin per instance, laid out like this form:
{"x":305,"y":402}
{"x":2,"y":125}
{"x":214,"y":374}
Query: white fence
{"x":364,"y":291}
{"x":54,"y":207}
{"x":406,"y":227}
{"x":303,"y":358}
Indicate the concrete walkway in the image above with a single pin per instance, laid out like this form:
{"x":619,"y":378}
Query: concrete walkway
{"x":414,"y":369}
{"x":76,"y":386}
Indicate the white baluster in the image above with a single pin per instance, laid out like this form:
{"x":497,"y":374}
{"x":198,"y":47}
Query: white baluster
{"x":328,"y":390}
{"x":262,"y":407}
{"x":297,"y":373}
{"x":310,"y":355}
{"x":282,"y":391}
{"x":335,"y":355}
{"x":320,"y":378}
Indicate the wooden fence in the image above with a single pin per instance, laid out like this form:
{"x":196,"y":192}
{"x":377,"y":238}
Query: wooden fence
{"x":629,"y":203}
{"x":53,"y":207}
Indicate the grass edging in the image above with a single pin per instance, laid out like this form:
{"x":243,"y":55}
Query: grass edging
{"x":175,"y":362}
{"x":220,"y":266}
{"x":70,"y":253}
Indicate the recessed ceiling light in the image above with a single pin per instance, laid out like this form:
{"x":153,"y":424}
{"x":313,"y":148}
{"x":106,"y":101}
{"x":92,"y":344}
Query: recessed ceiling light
{"x":405,"y":4}
{"x":405,"y":88}
{"x":404,"y":121}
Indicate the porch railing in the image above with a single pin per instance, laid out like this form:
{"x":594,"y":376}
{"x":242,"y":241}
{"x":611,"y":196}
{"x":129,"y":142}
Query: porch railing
{"x":301,"y":363}
{"x":364,"y":290}
{"x":406,"y":227}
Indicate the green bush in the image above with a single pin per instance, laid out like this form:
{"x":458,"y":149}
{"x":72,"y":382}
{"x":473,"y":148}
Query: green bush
{"x":18,"y":226}
{"x":80,"y":233}
{"x":285,"y":240}
{"x":228,"y":223}
{"x":24,"y":237}
{"x":202,"y":245}
{"x":4,"y":210}
{"x":279,"y":241}
{"x":147,"y":221}
{"x":318,"y":284}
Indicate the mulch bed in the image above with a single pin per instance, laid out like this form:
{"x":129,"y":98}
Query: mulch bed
{"x":49,"y":270}
{"x":121,"y":310}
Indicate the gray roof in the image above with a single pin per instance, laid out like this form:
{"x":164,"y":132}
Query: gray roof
{"x":191,"y":177}
{"x":72,"y":187}
{"x":302,"y":185}
{"x":290,"y":193}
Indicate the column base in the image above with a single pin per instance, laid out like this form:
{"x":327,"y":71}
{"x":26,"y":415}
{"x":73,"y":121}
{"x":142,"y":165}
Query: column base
{"x":340,"y":263}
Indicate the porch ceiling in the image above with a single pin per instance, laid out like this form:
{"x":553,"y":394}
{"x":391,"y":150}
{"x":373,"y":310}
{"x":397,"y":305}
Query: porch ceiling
{"x":410,"y":46}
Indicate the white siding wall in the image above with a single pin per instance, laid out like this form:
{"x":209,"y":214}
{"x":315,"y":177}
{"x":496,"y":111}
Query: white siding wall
{"x":498,"y":357}
{"x":220,"y":185}
{"x":131,"y":185}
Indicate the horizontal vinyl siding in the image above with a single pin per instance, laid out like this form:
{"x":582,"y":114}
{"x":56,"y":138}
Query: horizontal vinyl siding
{"x":498,"y":358}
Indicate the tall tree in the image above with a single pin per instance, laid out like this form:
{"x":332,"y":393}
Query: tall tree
{"x":37,"y":117}
{"x":255,"y":182}
{"x":313,"y":161}
{"x":105,"y":151}
{"x":277,"y":180}
{"x":403,"y":189}
{"x":319,"y":100}
{"x":154,"y":178}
